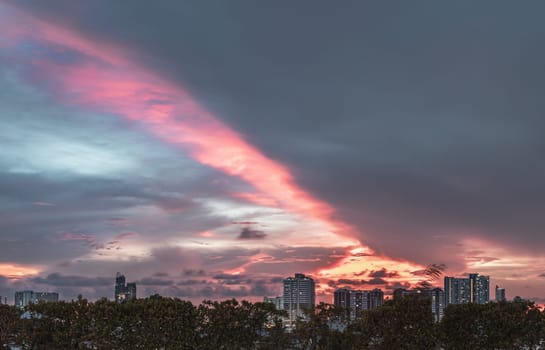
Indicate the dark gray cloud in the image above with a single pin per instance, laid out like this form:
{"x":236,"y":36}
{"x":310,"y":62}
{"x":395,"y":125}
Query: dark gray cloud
{"x":152,"y":281}
{"x":249,"y":233}
{"x":226,"y":276}
{"x":191,"y":272}
{"x":357,"y":282}
{"x":383,"y":273}
{"x":419,"y":122}
{"x":58,"y":280}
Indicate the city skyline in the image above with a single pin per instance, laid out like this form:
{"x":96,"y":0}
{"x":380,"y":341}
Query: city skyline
{"x":209,"y":150}
{"x":299,"y":293}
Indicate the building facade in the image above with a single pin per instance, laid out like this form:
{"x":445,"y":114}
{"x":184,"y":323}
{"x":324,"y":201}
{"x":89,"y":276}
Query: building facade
{"x":437,"y":296}
{"x":342,"y":298}
{"x":500,"y":294}
{"x":23,"y":298}
{"x":356,"y":301}
{"x":277,"y":301}
{"x":299,"y":294}
{"x":475,"y":289}
{"x":480,"y":288}
{"x":375,"y":299}
{"x":123,"y":292}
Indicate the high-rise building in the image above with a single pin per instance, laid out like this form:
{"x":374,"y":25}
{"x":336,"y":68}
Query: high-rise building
{"x":123,"y":292}
{"x":23,"y":298}
{"x":480,"y":288}
{"x":474,"y":289}
{"x":437,"y":296}
{"x":457,"y":290}
{"x":356,"y":301}
{"x":342,"y":298}
{"x":131,"y":291}
{"x":299,"y":294}
{"x":500,"y":294}
{"x":375,"y":299}
{"x":360,"y":302}
{"x":119,"y":287}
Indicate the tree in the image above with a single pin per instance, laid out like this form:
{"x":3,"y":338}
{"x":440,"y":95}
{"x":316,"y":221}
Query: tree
{"x":9,"y":321}
{"x":233,"y":325}
{"x":505,"y":325}
{"x":406,"y":323}
{"x":315,"y":331}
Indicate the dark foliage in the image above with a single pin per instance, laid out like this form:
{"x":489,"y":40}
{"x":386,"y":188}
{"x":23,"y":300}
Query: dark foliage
{"x":166,"y":323}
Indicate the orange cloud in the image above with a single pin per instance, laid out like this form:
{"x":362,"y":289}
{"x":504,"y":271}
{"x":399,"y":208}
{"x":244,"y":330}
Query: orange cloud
{"x":18,"y":271}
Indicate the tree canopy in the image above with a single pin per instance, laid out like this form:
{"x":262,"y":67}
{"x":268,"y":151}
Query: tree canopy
{"x":169,"y":323}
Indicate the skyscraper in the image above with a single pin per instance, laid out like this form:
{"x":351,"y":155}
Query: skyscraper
{"x":376,"y":298}
{"x":342,"y":297}
{"x":474,"y":289}
{"x":131,"y":291}
{"x":119,"y":287}
{"x":360,"y":302}
{"x":123,"y":292}
{"x":356,"y":301}
{"x":299,"y":294}
{"x":437,"y":297}
{"x":500,"y":294}
{"x":480,"y":288}
{"x":457,"y":290}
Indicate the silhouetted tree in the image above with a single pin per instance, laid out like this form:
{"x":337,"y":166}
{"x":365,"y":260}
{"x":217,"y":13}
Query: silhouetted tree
{"x":406,"y":323}
{"x":505,"y":325}
{"x":9,"y":323}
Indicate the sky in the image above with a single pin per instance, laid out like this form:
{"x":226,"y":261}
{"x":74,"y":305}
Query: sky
{"x":209,"y":149}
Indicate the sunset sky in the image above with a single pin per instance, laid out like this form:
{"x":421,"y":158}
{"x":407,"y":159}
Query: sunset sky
{"x":209,"y":149}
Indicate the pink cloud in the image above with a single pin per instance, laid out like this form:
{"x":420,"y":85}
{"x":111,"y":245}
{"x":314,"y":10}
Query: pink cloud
{"x":109,"y":82}
{"x":43,"y":204}
{"x":126,"y":235}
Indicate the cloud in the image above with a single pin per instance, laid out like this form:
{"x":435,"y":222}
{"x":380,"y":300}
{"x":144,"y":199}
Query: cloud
{"x":226,"y":276}
{"x":43,"y":204}
{"x":151,"y":281}
{"x":58,"y":280}
{"x":126,"y":235}
{"x":383,"y":273}
{"x":390,"y":162}
{"x":88,"y":240}
{"x":191,"y":272}
{"x":248,"y":233}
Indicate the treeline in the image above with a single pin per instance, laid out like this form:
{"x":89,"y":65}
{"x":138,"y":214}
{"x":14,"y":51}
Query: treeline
{"x":165,"y":323}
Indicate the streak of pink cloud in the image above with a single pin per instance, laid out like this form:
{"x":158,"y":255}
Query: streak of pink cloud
{"x":111,"y":83}
{"x":126,"y":235}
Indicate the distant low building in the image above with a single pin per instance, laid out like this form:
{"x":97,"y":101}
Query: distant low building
{"x":23,"y":298}
{"x":277,"y":301}
{"x":123,"y":292}
{"x":500,"y":294}
{"x":436,"y":297}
